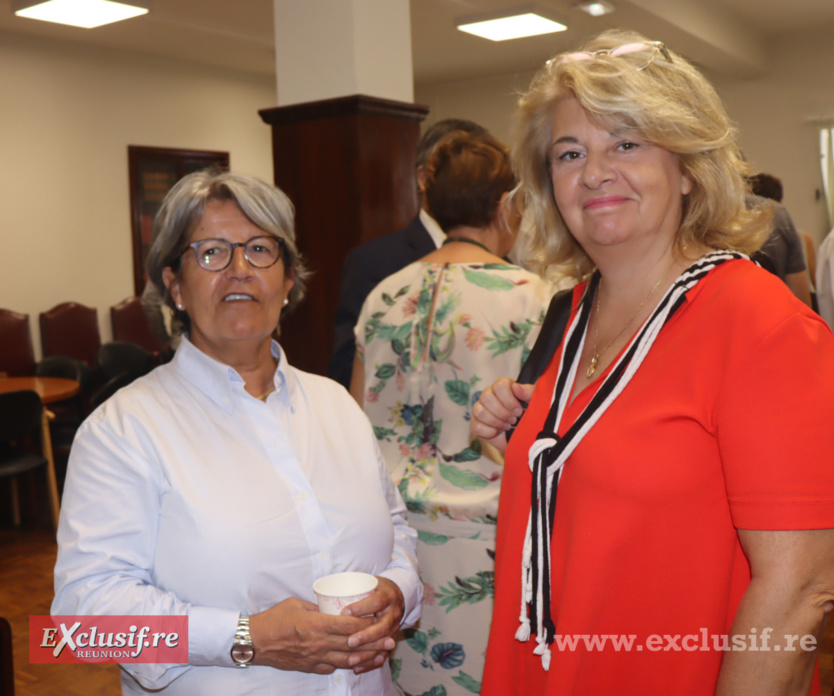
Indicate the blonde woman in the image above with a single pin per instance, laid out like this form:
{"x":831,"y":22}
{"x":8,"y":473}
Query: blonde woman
{"x":668,"y":496}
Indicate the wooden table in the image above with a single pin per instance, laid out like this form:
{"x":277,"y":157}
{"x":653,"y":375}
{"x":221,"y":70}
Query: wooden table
{"x":50,"y":389}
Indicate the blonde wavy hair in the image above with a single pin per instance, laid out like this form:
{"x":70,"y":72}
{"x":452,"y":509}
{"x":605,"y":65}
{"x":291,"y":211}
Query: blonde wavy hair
{"x":668,"y":102}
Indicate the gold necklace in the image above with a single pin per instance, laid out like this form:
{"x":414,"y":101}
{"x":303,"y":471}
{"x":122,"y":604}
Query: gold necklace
{"x":264,"y":396}
{"x":597,"y":354}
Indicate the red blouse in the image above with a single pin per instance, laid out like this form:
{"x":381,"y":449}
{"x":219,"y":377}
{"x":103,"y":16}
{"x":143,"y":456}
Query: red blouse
{"x":729,"y":423}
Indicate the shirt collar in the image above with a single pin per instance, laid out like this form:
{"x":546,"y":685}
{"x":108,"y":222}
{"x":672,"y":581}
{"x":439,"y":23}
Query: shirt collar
{"x":286,"y":381}
{"x":222,"y":383}
{"x":437,"y":235}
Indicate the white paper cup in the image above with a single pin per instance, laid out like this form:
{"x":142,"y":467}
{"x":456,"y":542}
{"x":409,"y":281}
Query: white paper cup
{"x":335,"y":592}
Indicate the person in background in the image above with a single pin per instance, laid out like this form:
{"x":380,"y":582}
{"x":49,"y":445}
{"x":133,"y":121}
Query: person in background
{"x":368,"y":264}
{"x":224,"y":483}
{"x":825,"y":279}
{"x":769,"y":186}
{"x":428,"y":338}
{"x":783,"y":253}
{"x":668,"y":495}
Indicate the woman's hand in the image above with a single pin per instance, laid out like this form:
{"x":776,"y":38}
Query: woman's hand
{"x":294,"y":635}
{"x":499,"y":409}
{"x":387,"y":606}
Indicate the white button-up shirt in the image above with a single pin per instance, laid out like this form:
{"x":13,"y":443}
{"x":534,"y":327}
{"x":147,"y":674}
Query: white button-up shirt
{"x":187,"y":496}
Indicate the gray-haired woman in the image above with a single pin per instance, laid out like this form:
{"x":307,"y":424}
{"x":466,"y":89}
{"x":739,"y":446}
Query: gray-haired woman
{"x":221,"y":485}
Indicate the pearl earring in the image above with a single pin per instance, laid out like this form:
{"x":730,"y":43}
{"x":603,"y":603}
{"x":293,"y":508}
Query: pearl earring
{"x":180,"y":307}
{"x":286,"y":302}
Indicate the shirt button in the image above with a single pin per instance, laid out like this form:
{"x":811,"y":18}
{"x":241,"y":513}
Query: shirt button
{"x":338,"y":679}
{"x":324,"y":554}
{"x":303,"y":495}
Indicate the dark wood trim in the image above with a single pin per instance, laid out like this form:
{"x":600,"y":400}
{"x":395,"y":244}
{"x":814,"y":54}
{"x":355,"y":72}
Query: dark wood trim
{"x":343,"y":106}
{"x":184,"y":162}
{"x":347,"y":164}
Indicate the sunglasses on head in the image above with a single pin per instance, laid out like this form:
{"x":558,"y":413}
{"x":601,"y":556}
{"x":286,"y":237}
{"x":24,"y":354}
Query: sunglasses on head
{"x":656,"y":47}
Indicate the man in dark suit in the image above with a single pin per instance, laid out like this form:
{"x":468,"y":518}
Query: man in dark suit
{"x":367,"y":265}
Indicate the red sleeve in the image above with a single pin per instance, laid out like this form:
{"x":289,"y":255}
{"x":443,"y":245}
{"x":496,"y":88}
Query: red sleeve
{"x":775,"y":427}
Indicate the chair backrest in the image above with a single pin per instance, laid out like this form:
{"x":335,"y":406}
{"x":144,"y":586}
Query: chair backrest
{"x":20,"y":414}
{"x":66,"y":367}
{"x":130,"y":323}
{"x":17,"y":357}
{"x":120,"y":357}
{"x":71,"y":329}
{"x":110,"y":387}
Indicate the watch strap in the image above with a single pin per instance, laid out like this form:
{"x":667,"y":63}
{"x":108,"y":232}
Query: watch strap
{"x":243,"y":639}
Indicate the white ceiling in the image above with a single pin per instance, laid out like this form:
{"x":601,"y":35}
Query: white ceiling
{"x":726,"y":36}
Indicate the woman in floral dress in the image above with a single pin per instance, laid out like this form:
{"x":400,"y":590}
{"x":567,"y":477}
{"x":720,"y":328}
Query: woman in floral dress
{"x":429,"y":338}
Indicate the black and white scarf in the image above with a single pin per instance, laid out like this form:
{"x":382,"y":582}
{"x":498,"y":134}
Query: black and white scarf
{"x":549,"y":452}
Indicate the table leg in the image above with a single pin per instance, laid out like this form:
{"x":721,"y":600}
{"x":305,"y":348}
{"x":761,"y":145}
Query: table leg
{"x":51,"y":480}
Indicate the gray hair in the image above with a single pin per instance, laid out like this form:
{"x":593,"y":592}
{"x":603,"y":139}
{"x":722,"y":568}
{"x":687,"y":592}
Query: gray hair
{"x":266,"y":206}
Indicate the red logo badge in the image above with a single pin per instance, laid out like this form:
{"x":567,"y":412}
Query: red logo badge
{"x":124,"y":639}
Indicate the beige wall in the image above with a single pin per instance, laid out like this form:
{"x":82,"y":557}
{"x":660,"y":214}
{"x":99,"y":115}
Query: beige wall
{"x":779,"y":117}
{"x":774,"y":115}
{"x":67,"y":115}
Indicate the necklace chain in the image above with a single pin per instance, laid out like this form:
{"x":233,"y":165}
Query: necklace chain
{"x":597,"y":354}
{"x":264,"y":396}
{"x":467,"y":241}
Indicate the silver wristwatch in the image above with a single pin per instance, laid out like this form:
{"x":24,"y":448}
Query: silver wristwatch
{"x":243,"y":650}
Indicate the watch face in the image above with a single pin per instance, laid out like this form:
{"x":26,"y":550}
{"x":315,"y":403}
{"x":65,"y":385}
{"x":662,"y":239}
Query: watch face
{"x":243,"y":654}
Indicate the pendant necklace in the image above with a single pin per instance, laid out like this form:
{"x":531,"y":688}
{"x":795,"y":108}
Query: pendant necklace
{"x":597,"y":354}
{"x":467,"y":241}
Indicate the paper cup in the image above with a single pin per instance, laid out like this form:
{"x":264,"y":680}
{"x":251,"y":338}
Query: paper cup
{"x":335,"y":592}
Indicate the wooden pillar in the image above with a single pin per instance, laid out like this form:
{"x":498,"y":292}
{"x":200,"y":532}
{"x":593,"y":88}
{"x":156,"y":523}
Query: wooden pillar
{"x":347,"y":164}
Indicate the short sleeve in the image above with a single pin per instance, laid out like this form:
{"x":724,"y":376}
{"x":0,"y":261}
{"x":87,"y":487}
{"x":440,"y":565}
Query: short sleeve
{"x":775,"y":427}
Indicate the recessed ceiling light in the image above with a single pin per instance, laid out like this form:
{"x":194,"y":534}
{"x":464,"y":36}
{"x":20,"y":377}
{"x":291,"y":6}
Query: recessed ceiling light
{"x":80,"y":13}
{"x":595,"y":9}
{"x":514,"y":23}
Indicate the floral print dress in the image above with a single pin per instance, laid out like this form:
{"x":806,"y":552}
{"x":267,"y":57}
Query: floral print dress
{"x":431,"y":337}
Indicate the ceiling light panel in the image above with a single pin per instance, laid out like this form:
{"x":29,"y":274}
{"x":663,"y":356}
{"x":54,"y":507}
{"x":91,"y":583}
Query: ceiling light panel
{"x":80,"y":13}
{"x":510,"y":24}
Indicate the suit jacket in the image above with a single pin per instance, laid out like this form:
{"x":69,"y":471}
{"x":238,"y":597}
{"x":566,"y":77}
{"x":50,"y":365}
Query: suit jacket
{"x":365,"y":267}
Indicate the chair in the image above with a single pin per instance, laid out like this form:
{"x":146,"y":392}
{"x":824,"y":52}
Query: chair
{"x":118,"y":357}
{"x":17,"y":358}
{"x":131,"y":324}
{"x":22,"y":415}
{"x":6,"y":659}
{"x":68,"y":368}
{"x":110,"y":387}
{"x":119,"y":363}
{"x":71,"y":329}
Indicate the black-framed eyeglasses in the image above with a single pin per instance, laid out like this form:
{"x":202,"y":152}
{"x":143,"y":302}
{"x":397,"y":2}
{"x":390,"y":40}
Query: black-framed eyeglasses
{"x":216,"y":254}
